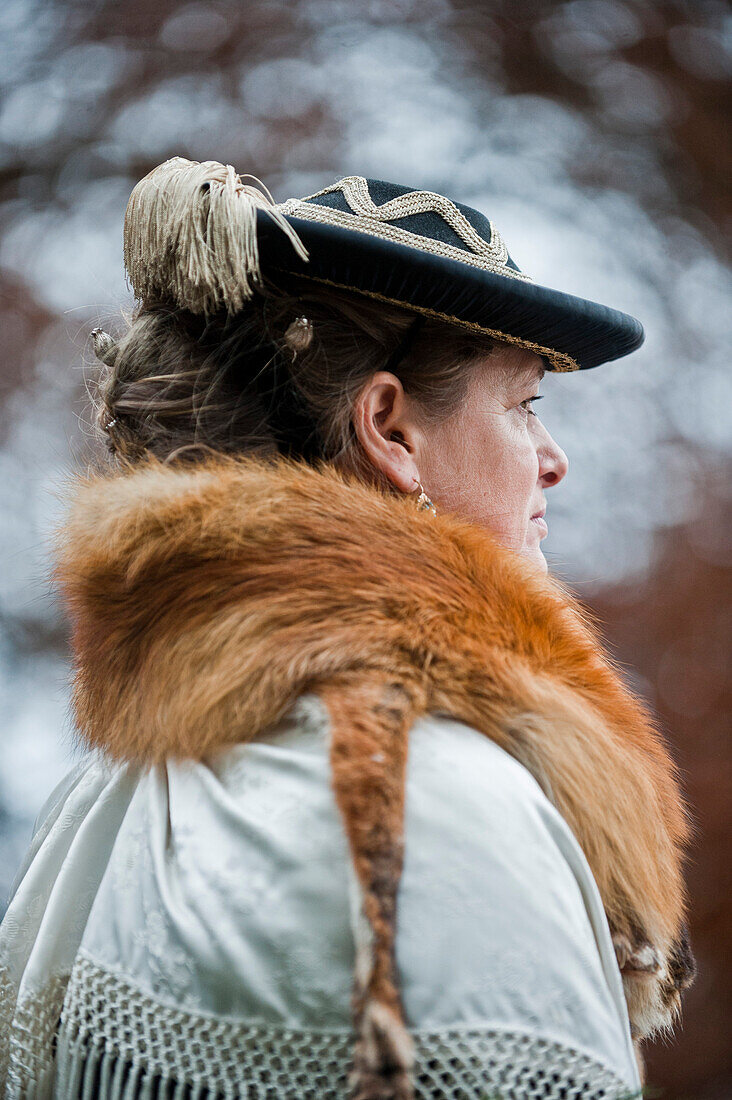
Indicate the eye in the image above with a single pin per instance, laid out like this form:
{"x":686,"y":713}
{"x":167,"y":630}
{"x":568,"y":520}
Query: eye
{"x":529,"y":401}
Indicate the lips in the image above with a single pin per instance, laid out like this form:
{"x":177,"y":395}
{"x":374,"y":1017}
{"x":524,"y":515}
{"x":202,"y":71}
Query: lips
{"x":540,"y":522}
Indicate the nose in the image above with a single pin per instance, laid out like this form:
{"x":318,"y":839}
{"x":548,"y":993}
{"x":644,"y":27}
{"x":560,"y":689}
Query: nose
{"x":553,"y":462}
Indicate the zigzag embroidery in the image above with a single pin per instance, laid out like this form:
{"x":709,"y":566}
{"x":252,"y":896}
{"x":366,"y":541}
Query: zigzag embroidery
{"x":491,"y":255}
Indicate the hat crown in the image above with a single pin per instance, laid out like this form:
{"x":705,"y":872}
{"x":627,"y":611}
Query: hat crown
{"x":421,"y":219}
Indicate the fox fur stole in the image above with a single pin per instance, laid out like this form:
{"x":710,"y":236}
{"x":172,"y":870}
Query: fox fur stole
{"x":204,"y":599}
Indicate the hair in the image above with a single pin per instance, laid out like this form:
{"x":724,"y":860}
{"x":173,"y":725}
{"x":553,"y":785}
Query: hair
{"x":178,"y":384}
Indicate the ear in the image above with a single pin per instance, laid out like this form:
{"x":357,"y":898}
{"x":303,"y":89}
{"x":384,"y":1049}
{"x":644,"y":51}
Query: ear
{"x":386,"y":430}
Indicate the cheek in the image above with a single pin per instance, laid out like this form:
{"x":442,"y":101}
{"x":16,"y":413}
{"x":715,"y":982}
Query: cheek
{"x":520,"y":473}
{"x":451,"y":468}
{"x":512,"y":491}
{"x":488,"y":474}
{"x":508,"y":461}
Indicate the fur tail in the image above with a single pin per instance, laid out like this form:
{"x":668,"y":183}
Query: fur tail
{"x":383,"y":1057}
{"x":371,"y":716}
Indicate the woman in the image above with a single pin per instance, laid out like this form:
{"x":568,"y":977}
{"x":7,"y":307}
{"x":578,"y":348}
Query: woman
{"x":367,"y":810}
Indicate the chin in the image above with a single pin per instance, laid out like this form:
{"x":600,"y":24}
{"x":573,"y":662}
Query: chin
{"x":537,"y":559}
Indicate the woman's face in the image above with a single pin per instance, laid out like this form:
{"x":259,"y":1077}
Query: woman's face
{"x":492,"y":461}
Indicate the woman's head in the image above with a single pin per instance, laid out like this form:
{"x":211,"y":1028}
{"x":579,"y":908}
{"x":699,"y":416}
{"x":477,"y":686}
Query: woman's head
{"x":310,"y":362}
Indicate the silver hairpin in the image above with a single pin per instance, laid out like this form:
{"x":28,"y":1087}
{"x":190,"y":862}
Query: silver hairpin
{"x":103,"y":345}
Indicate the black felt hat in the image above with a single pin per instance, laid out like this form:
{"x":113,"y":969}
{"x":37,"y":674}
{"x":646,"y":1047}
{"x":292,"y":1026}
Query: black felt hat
{"x":196,"y":232}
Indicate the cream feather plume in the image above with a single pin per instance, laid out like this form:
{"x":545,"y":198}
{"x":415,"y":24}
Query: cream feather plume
{"x":190,"y":235}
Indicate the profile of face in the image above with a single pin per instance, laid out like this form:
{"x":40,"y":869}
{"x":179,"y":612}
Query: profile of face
{"x":490,"y":462}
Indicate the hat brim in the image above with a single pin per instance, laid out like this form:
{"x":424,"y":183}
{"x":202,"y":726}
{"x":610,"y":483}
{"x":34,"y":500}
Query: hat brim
{"x":570,"y":332}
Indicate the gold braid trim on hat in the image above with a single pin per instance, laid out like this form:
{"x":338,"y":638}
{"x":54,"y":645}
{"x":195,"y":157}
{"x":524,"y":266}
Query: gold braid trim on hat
{"x":190,"y":234}
{"x":377,"y":221}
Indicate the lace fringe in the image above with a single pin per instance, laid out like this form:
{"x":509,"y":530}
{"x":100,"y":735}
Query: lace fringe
{"x":29,"y":1042}
{"x":91,"y":1072}
{"x":8,"y":996}
{"x":116,"y":1042}
{"x":108,"y":1040}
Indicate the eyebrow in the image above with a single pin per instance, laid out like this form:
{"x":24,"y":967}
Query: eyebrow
{"x":522,"y":376}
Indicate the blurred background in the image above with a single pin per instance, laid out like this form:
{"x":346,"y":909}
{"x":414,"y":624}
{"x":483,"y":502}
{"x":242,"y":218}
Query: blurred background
{"x":594,"y":133}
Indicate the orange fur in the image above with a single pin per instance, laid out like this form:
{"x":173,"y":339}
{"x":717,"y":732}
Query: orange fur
{"x":205,"y":600}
